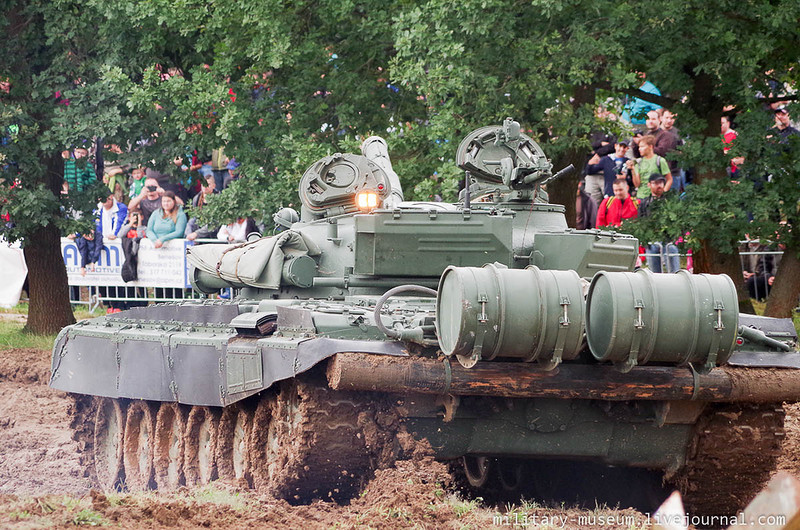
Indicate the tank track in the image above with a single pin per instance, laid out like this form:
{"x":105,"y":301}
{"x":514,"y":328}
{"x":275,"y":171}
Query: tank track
{"x":82,"y":412}
{"x":329,"y":442}
{"x":734,"y":451}
{"x":301,"y":442}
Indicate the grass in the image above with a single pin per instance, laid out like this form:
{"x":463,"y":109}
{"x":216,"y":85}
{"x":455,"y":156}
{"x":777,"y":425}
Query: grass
{"x":87,"y":517}
{"x":13,"y":334}
{"x":214,"y":495}
{"x":50,"y":512}
{"x":462,"y":507}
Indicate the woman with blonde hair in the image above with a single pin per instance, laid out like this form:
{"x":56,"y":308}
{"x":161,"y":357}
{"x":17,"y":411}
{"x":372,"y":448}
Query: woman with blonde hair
{"x":168,"y":222}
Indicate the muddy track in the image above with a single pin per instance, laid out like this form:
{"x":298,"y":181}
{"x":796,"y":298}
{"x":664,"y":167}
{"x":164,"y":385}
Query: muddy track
{"x":735,"y":450}
{"x":82,"y":413}
{"x":328,"y":442}
{"x":302,"y":441}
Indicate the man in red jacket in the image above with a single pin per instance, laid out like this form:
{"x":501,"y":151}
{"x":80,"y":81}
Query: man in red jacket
{"x":621,"y":206}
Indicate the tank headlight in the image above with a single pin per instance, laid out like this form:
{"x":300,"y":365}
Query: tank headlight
{"x":366,"y":200}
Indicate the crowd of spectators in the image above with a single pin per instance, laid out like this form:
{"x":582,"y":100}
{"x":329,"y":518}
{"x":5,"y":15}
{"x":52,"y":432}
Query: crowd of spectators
{"x":140,"y":202}
{"x":626,"y":175}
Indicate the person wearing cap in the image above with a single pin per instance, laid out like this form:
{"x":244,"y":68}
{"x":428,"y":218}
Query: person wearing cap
{"x":607,"y":166}
{"x":620,"y":159}
{"x":659,"y":252}
{"x":783,"y":124}
{"x":284,"y":219}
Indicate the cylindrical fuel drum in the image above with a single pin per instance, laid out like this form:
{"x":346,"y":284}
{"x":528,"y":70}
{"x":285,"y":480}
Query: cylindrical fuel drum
{"x":490,"y":311}
{"x":638,"y":317}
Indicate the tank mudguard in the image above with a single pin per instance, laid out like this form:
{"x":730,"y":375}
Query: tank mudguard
{"x":209,"y":366}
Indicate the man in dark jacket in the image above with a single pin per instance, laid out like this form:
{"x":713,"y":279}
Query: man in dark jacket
{"x":585,"y":210}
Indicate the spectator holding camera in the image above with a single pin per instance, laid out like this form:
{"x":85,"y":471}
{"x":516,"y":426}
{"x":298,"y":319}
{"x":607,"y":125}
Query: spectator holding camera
{"x":149,"y":200}
{"x":611,"y":166}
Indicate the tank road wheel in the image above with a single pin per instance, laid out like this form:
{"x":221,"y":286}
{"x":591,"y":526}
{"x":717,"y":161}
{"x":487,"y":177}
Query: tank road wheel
{"x":138,"y":446}
{"x":263,"y":444}
{"x":734,"y":451}
{"x":476,"y":470}
{"x":199,"y":466}
{"x":168,"y":450}
{"x":509,"y":474}
{"x":109,"y":426}
{"x":233,"y":460}
{"x":323,"y":451}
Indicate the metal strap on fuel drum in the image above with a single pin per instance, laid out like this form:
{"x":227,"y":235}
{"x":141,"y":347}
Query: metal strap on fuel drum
{"x":718,"y":326}
{"x":638,"y":327}
{"x":480,"y":333}
{"x":695,"y":382}
{"x":696,"y":327}
{"x":563,"y":328}
{"x":542,"y":315}
{"x":448,"y":376}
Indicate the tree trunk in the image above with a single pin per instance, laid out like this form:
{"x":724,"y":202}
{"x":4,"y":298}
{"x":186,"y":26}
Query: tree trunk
{"x":786,"y":288}
{"x":383,"y":373}
{"x":564,"y":190}
{"x":49,"y":309}
{"x":709,"y":260}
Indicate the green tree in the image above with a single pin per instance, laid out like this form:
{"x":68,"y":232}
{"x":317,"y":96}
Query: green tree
{"x":276,"y":85}
{"x":548,"y":63}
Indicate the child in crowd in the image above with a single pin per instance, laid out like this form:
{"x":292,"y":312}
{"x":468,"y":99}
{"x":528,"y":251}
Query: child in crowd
{"x":137,"y":182}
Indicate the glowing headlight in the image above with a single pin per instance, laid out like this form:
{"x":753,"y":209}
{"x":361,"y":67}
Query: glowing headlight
{"x":366,"y":200}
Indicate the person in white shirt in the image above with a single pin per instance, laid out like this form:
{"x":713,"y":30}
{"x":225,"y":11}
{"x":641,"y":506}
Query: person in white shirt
{"x":237,"y":231}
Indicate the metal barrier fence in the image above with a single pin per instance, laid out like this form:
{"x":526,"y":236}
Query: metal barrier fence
{"x":758,"y":259}
{"x":104,"y":285}
{"x":124,"y":297}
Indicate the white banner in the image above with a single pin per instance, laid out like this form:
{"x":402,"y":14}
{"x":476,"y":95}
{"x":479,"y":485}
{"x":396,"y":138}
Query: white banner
{"x":12,"y":263}
{"x":158,"y":267}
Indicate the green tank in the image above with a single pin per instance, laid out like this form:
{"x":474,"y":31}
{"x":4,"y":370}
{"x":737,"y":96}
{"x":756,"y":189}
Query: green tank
{"x":487,"y":333}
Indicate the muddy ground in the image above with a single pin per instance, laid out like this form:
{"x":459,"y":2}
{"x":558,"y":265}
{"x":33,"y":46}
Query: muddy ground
{"x":43,"y":485}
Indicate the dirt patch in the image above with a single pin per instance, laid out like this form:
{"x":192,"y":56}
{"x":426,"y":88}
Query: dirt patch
{"x":413,"y":494}
{"x":25,"y":365}
{"x":790,"y":453}
{"x":39,"y":455}
{"x":42,"y":480}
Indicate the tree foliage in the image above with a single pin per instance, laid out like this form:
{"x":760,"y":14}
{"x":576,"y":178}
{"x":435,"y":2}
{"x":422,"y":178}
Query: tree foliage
{"x":280,"y":85}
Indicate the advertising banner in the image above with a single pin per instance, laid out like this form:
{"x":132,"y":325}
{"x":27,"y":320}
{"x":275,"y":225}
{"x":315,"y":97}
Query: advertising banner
{"x":158,"y":267}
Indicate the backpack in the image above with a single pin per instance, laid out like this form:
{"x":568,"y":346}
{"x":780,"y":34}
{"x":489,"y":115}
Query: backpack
{"x":130,"y":248}
{"x":634,"y":200}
